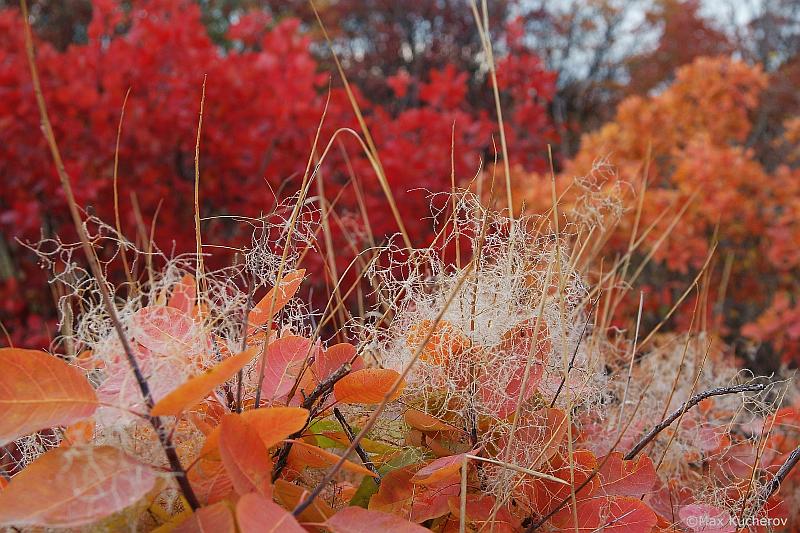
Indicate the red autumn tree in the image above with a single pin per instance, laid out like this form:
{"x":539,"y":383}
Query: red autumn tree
{"x":265,"y":95}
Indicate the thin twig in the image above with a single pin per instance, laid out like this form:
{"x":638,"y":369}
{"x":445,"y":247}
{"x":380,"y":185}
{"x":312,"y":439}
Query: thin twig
{"x":575,"y":352}
{"x":359,"y":450}
{"x":685,"y":406}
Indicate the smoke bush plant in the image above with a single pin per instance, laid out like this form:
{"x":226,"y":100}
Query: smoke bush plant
{"x":483,"y":394}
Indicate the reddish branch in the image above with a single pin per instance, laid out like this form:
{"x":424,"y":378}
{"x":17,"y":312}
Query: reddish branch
{"x":163,"y":435}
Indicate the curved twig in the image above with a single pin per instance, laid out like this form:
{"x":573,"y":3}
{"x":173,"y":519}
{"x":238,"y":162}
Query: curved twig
{"x":685,"y":406}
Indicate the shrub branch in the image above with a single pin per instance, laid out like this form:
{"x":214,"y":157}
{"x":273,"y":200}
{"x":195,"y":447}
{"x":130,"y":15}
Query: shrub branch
{"x":685,"y":406}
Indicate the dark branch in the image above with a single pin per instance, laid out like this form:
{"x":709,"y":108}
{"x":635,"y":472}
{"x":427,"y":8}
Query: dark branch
{"x":359,"y":450}
{"x":775,"y":483}
{"x":321,"y":393}
{"x":685,"y":406}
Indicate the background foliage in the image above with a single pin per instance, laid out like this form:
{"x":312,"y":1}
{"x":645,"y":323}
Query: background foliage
{"x":597,"y":79}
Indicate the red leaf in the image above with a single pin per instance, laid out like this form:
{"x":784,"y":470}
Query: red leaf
{"x":544,"y":495}
{"x":619,"y":477}
{"x":285,"y":357}
{"x":615,"y":514}
{"x":330,"y":360}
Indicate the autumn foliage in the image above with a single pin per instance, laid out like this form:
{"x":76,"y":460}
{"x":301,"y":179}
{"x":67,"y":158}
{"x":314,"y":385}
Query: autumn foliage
{"x":691,"y":181}
{"x":254,"y":348}
{"x":265,"y":96}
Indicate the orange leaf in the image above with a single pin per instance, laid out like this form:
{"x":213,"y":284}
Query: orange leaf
{"x":359,"y":520}
{"x":198,"y":387}
{"x":272,"y":424}
{"x":289,"y":495}
{"x":440,"y":469}
{"x":210,"y":480}
{"x":71,"y":487}
{"x":184,"y":294}
{"x":304,"y":455}
{"x":256,"y":514}
{"x":445,"y":342}
{"x":276,"y":423}
{"x":397,"y":495}
{"x":619,"y":477}
{"x":79,"y":433}
{"x":368,"y":386}
{"x":39,"y":391}
{"x":216,"y":518}
{"x":260,"y":314}
{"x":245,"y":458}
{"x":425,"y":422}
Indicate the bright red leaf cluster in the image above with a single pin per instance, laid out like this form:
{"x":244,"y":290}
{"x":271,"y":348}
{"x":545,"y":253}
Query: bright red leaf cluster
{"x":264,"y":99}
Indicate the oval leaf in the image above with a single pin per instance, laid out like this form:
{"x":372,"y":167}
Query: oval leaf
{"x":70,"y":487}
{"x":440,"y":470}
{"x":330,"y":360}
{"x":272,"y":424}
{"x":257,"y":514}
{"x":368,"y":386}
{"x":275,"y":424}
{"x":359,"y":520}
{"x":285,"y":358}
{"x":245,"y":458}
{"x":197,"y":388}
{"x":39,"y":391}
{"x":286,"y":289}
{"x":304,"y":455}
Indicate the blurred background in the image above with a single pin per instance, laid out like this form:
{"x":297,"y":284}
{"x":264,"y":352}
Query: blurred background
{"x":699,"y":99}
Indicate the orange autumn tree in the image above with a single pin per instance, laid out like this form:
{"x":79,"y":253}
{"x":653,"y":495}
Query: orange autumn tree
{"x":689,"y":145}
